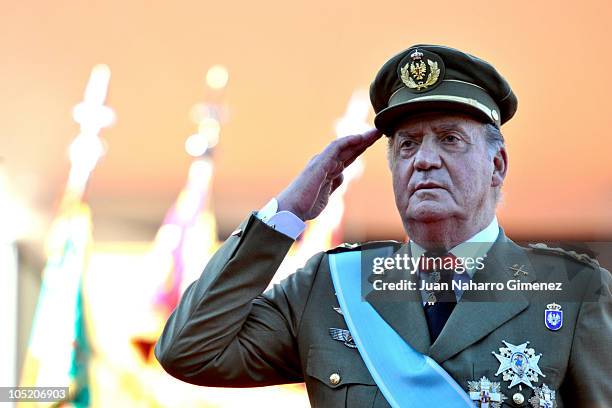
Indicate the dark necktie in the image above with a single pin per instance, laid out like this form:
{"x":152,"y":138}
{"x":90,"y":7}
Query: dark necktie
{"x":441,"y":268}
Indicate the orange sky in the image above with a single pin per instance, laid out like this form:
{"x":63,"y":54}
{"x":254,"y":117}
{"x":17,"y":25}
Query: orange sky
{"x":293,"y":67}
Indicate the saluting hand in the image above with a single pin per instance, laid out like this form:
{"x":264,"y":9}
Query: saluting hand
{"x":309,"y":192}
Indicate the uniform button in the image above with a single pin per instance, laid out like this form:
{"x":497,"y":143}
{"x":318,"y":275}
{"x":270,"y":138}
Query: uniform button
{"x":495,"y":115}
{"x":334,"y":379}
{"x":518,"y":398}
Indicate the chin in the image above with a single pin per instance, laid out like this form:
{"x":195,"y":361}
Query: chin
{"x":428,"y":212}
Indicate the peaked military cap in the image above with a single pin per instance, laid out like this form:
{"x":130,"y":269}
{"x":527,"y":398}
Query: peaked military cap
{"x":434,"y":77}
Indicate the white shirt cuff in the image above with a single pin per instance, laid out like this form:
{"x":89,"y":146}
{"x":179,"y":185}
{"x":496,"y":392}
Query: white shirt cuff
{"x":284,"y":222}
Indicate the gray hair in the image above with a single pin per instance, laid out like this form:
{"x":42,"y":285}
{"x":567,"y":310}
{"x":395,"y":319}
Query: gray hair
{"x":495,"y":142}
{"x":495,"y":139}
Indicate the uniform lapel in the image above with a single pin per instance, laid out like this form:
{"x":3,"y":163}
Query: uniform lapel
{"x":402,"y":310}
{"x":475,"y":316}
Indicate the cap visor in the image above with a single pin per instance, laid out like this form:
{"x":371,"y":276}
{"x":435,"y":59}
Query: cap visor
{"x":388,"y":119}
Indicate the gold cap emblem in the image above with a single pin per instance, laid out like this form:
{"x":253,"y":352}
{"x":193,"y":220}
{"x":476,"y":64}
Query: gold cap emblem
{"x":421,"y":71}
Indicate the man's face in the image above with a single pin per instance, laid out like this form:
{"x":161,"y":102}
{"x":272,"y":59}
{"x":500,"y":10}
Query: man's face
{"x":441,"y":168}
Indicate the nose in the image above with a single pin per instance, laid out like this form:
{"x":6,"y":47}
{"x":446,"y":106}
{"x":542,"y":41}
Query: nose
{"x":428,"y":155}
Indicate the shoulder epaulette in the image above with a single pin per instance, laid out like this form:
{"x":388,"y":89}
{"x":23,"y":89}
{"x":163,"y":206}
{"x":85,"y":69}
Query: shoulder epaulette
{"x":347,"y":246}
{"x":584,"y":258}
{"x":344,"y":247}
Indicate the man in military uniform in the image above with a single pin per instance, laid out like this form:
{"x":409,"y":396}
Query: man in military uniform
{"x":441,"y":110}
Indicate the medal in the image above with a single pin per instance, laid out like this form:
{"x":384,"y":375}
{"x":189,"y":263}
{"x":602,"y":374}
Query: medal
{"x":485,"y":393}
{"x":518,"y":364}
{"x":543,"y":397}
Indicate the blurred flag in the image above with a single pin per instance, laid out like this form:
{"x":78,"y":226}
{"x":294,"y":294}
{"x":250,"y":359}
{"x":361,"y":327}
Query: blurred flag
{"x":187,"y":238}
{"x":12,"y":216}
{"x":183,"y":246}
{"x":58,"y":350}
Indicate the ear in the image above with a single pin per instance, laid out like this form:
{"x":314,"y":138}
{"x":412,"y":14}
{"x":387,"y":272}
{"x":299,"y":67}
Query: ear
{"x":500,"y":167}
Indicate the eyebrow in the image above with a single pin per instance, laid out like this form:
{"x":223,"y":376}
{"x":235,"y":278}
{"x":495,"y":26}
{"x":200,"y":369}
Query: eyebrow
{"x":442,"y":127}
{"x":406,"y":134}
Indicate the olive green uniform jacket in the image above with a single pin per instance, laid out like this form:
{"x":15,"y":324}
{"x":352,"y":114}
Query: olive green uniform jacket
{"x":227,"y":333}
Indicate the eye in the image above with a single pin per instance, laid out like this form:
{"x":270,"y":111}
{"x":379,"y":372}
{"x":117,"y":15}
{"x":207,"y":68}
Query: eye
{"x":450,"y":139}
{"x":407,"y":144}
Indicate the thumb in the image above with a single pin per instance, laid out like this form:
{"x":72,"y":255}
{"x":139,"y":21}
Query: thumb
{"x":337,"y":182}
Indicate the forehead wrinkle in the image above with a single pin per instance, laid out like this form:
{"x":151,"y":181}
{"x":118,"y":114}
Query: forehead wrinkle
{"x":404,"y":134}
{"x":436,"y":128}
{"x":447,"y":127}
{"x":418,"y":128}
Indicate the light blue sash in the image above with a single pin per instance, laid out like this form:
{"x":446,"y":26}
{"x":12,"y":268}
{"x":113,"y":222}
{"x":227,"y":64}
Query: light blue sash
{"x":406,"y":377}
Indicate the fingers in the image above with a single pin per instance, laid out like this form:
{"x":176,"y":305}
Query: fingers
{"x":343,"y":151}
{"x":370,"y":136}
{"x":348,"y":147}
{"x":351,"y":152}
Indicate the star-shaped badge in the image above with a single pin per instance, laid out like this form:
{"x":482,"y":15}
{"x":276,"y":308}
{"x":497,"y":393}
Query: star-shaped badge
{"x":518,"y":364}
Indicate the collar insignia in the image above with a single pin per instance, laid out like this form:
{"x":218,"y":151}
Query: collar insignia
{"x":518,"y":270}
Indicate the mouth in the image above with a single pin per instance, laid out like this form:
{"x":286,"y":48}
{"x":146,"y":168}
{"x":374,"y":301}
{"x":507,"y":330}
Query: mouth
{"x":427,"y":185}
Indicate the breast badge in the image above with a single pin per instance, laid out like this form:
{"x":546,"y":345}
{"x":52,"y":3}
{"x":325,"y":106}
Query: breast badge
{"x":518,"y":364}
{"x":553,"y":317}
{"x":343,"y":336}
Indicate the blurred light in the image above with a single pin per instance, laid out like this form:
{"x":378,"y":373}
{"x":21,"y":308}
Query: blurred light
{"x":15,"y":218}
{"x":169,"y":237}
{"x":196,"y":145}
{"x":355,"y":118}
{"x":217,"y":77}
{"x":190,"y":199}
{"x":353,"y":122}
{"x":199,"y":111}
{"x":8,"y":311}
{"x":92,"y":115}
{"x":97,"y":87}
{"x":200,"y":173}
{"x":210,"y":128}
{"x":85,"y":150}
{"x":207,"y":137}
